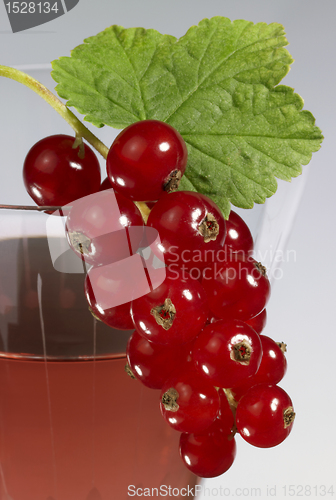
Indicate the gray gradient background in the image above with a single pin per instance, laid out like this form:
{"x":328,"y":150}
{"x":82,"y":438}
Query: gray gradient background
{"x":301,"y":309}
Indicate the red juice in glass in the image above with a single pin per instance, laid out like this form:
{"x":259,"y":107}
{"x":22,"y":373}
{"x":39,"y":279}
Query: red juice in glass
{"x":73,"y":424}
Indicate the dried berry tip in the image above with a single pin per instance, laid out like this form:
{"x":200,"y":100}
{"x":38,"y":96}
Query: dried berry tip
{"x":241,"y":352}
{"x":169,"y":399}
{"x":288,"y":416}
{"x":80,"y":242}
{"x":282,"y":346}
{"x":262,"y":269}
{"x":164,"y":314}
{"x":209,"y":228}
{"x":129,"y":371}
{"x":172,"y":182}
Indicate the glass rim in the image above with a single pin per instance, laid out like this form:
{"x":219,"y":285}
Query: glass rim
{"x":61,"y":358}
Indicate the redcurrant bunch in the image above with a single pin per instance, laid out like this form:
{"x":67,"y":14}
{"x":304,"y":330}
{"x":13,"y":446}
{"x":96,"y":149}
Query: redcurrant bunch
{"x":227,"y":353}
{"x":197,"y":333}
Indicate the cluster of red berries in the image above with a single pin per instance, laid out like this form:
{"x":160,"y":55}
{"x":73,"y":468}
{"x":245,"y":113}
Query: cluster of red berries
{"x":198,"y":340}
{"x":198,"y":334}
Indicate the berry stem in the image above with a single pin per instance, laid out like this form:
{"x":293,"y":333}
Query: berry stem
{"x":144,"y":210}
{"x":231,"y":400}
{"x":50,"y":98}
{"x":30,"y":207}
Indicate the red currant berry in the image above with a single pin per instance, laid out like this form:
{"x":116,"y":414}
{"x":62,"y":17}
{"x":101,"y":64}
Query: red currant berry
{"x":146,"y":159}
{"x":152,"y":363}
{"x":237,"y":288}
{"x":118,"y":317}
{"x":212,"y":319}
{"x":55,"y":173}
{"x":191,"y":228}
{"x":272,"y":368}
{"x":172,"y":314}
{"x":225,"y":413}
{"x":227,"y":352}
{"x":265,"y":415}
{"x":105,"y":184}
{"x":150,"y":204}
{"x":188,"y":402}
{"x":238,"y":238}
{"x":99,"y":226}
{"x":117,"y":284}
{"x":273,"y":364}
{"x":210,"y":453}
{"x":258,"y":322}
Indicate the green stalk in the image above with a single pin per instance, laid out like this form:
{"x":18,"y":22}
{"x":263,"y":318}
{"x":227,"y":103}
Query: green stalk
{"x":50,"y":98}
{"x":69,"y":117}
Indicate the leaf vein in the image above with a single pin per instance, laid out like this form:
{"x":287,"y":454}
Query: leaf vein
{"x":138,"y":88}
{"x":214,"y":69}
{"x":231,"y":169}
{"x":93,"y":89}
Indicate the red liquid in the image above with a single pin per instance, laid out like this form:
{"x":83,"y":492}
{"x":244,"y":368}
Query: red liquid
{"x":71,"y":429}
{"x":82,"y":431}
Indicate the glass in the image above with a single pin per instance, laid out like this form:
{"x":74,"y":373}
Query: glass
{"x":73,"y":425}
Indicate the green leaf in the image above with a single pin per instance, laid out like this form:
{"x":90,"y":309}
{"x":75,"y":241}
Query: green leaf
{"x":102,"y":77}
{"x":237,"y":160}
{"x":217,"y":85}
